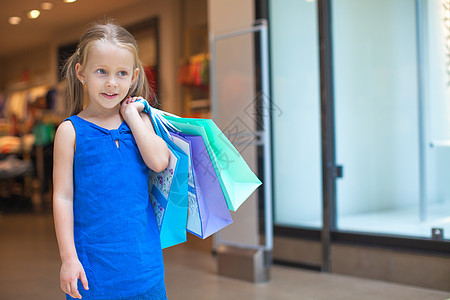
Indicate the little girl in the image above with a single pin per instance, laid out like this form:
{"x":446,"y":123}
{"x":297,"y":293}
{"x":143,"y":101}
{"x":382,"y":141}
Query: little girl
{"x":105,"y":226}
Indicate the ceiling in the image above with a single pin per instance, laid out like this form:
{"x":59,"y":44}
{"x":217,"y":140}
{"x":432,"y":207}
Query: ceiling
{"x":32,"y":33}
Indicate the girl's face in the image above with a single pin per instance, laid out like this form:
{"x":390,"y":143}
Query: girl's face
{"x":108,"y":74}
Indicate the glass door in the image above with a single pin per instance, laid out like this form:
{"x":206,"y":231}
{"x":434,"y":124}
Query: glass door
{"x":392,"y":113}
{"x":361,"y":143}
{"x":297,"y":160}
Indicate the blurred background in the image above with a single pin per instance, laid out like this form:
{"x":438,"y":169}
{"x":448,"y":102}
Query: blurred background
{"x":360,"y":120}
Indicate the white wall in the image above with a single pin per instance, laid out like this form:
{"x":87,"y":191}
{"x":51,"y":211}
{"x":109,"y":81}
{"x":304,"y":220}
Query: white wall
{"x":228,"y":15}
{"x":236,"y":91}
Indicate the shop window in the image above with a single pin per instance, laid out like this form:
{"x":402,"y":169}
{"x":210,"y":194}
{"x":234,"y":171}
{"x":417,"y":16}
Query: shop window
{"x":392,"y":116}
{"x":297,"y":161}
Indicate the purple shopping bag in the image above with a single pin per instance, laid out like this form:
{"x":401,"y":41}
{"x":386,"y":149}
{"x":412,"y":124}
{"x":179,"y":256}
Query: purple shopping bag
{"x":212,"y":207}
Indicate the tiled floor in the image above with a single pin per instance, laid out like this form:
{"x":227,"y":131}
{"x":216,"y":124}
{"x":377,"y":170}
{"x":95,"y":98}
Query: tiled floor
{"x":29,"y":268}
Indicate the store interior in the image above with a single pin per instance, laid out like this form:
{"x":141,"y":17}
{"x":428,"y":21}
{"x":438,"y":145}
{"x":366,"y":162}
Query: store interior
{"x":173,"y":45}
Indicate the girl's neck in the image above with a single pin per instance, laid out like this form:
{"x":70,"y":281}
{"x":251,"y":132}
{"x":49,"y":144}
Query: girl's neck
{"x":107,"y":118}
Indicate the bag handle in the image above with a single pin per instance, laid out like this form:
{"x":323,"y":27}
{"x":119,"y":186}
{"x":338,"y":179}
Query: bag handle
{"x":159,"y":122}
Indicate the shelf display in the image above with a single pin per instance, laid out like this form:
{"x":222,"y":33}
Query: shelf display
{"x":193,"y":73}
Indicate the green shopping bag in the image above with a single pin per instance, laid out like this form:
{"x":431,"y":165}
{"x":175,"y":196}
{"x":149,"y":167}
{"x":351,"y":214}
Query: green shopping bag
{"x":236,"y":179}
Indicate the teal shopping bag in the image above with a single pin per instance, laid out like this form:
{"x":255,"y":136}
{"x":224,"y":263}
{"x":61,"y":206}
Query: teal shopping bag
{"x":236,"y":179}
{"x":169,"y":193}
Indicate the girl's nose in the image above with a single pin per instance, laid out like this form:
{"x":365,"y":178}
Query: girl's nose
{"x":111,"y":82}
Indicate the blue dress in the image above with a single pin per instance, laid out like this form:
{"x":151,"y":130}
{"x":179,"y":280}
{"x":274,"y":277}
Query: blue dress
{"x":115,"y":231}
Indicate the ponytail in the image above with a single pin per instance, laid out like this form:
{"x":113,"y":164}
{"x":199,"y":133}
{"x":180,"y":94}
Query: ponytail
{"x":74,"y":92}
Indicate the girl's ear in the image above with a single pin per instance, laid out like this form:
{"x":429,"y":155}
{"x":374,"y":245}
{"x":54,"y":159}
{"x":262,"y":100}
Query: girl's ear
{"x":135,"y":75}
{"x":80,"y":73}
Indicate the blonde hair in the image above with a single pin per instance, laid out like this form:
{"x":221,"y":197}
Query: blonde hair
{"x":102,"y":32}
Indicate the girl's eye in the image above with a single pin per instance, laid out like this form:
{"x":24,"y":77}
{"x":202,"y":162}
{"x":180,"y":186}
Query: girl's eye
{"x":123,"y":73}
{"x":101,"y":71}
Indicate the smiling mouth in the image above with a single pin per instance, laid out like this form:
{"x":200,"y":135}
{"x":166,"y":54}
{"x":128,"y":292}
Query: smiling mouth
{"x":109,"y":95}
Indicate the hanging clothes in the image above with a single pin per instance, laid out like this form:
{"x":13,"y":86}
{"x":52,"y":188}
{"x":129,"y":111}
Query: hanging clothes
{"x":195,"y":72}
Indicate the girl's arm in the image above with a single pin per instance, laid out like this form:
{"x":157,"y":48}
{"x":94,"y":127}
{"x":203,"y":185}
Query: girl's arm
{"x":71,"y":268}
{"x":153,"y":149}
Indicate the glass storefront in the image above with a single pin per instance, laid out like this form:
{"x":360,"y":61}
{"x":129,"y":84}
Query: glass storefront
{"x":386,"y":121}
{"x":296,"y":126}
{"x":391,"y":115}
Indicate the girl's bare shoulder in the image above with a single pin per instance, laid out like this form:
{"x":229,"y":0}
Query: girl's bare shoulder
{"x":66,"y":127}
{"x":65,"y":134}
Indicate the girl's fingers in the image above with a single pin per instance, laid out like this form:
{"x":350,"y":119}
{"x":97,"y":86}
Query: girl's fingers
{"x":74,"y":290}
{"x":136,"y":98}
{"x":84,"y":280}
{"x":130,"y":100}
{"x":66,"y":289}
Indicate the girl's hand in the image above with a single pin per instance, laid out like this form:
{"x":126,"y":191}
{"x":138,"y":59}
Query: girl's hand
{"x":153,"y":149}
{"x":129,"y":107}
{"x":70,"y":273}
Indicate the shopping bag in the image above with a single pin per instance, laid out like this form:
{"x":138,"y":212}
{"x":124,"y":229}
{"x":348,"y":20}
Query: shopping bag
{"x":207,"y":208}
{"x":208,"y":211}
{"x":236,"y":179}
{"x":194,"y":224}
{"x":169,"y":193}
{"x":213,"y":212}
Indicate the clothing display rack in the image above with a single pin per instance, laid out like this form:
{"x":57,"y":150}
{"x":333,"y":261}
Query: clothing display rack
{"x":193,"y":73}
{"x":29,"y":115}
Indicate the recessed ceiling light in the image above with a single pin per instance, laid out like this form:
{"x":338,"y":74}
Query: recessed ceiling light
{"x":69,"y":1}
{"x":47,"y":5}
{"x":33,"y":14}
{"x":14,"y":20}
